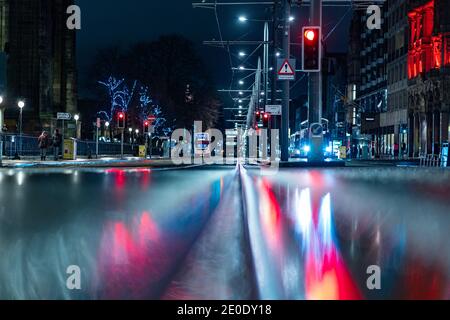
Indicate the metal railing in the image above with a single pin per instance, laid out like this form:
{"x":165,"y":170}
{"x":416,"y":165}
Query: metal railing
{"x":28,"y":146}
{"x":431,"y":160}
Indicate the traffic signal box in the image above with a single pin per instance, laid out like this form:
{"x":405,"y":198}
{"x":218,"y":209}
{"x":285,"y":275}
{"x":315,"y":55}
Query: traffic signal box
{"x":266,"y":118}
{"x":312,"y":49}
{"x":121,"y":120}
{"x":146,"y":127}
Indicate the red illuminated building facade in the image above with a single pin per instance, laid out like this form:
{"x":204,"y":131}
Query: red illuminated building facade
{"x":428,"y":70}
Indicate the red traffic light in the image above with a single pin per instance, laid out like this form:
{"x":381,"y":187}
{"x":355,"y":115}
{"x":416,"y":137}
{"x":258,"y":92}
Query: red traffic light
{"x":121,"y":115}
{"x":310,"y":35}
{"x":146,"y":123}
{"x":266,"y":116}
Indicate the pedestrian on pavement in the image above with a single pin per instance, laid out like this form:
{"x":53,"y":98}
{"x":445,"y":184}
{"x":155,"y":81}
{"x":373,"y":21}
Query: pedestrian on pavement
{"x":43,"y":142}
{"x":403,"y":150}
{"x":396,"y":150}
{"x":57,"y":142}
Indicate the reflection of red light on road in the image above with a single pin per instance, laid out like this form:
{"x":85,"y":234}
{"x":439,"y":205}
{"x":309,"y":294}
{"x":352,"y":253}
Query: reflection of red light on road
{"x":119,"y":177}
{"x":326,"y":275}
{"x":270,"y":217}
{"x":148,"y":230}
{"x":128,"y":255}
{"x":423,"y":282}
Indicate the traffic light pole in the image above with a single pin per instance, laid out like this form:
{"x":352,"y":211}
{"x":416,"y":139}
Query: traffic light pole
{"x":315,"y":89}
{"x":121,"y":143}
{"x":284,"y":134}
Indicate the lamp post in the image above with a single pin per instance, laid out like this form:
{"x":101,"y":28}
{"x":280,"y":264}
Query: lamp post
{"x":21,"y":105}
{"x":76,"y":118}
{"x":107,"y":124}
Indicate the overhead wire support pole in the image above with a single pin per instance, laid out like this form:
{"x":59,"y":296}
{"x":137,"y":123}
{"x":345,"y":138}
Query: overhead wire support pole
{"x":284,"y":133}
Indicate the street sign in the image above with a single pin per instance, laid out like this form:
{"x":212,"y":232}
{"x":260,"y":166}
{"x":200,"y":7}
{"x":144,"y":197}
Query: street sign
{"x":63,"y":116}
{"x":274,"y":110}
{"x":286,"y":69}
{"x":316,"y":130}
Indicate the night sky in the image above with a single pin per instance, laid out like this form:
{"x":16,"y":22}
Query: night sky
{"x":120,"y":22}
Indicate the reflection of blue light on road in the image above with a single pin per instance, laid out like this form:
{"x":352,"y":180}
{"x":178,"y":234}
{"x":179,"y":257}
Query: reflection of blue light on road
{"x":325,"y":221}
{"x":303,"y":213}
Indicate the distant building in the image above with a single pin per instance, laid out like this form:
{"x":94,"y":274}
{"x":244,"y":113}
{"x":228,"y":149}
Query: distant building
{"x":334,"y":78}
{"x":40,"y":64}
{"x":394,"y":122}
{"x":367,"y":94}
{"x":399,"y":85}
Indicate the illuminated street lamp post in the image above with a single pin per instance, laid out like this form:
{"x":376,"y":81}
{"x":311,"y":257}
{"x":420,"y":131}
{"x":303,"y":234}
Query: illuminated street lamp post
{"x":107,"y":124}
{"x":21,"y":105}
{"x":76,"y":118}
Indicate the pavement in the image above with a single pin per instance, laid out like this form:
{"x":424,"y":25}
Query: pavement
{"x":101,"y":162}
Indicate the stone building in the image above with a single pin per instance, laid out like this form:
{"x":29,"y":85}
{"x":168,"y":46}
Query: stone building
{"x":40,"y":61}
{"x":429,"y":75}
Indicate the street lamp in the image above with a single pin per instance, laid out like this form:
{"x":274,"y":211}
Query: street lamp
{"x":107,"y":124}
{"x":243,"y":19}
{"x":76,"y":118}
{"x":242,"y":54}
{"x":241,"y":82}
{"x":21,"y":105}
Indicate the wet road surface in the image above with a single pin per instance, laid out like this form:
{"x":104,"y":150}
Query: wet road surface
{"x":225,"y":233}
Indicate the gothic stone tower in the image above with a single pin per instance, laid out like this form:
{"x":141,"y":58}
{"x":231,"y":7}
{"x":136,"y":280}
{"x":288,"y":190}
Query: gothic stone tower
{"x":41,"y":66}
